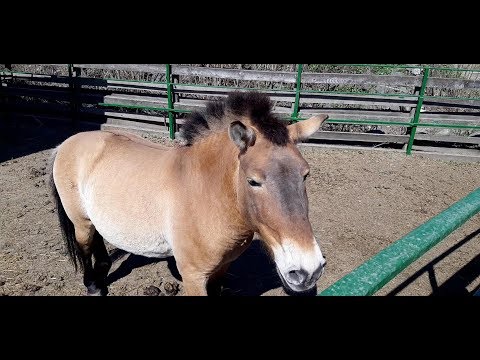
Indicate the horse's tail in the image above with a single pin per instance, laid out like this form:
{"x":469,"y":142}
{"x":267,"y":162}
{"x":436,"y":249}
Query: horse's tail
{"x":66,"y":225}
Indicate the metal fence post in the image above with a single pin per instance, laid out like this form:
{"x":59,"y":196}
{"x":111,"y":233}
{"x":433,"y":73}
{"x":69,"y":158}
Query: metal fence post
{"x":5,"y":98}
{"x":416,"y":117}
{"x":74,"y":91}
{"x":297,"y":92}
{"x":171,"y":116}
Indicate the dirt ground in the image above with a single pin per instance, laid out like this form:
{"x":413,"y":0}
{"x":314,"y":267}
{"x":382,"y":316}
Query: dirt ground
{"x":360,"y":202}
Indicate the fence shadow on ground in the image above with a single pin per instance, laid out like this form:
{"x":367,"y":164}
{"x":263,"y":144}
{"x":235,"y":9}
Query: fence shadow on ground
{"x":21,"y":136}
{"x":457,"y":284}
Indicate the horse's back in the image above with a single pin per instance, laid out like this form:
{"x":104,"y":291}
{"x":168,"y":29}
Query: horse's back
{"x":81,"y":153}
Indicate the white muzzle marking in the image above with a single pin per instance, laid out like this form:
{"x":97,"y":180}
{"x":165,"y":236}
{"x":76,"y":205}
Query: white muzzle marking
{"x":299,"y":268}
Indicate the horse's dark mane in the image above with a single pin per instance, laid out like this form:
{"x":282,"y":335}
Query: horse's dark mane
{"x":255,"y":105}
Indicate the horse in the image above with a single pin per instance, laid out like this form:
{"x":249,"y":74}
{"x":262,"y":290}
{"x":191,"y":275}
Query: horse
{"x":238,"y":172}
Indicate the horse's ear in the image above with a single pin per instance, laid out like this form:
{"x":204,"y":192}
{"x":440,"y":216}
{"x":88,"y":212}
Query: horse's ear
{"x":241,"y":135}
{"x":302,"y":130}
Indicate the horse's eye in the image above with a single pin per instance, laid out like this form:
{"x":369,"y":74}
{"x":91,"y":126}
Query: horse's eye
{"x":253,"y":182}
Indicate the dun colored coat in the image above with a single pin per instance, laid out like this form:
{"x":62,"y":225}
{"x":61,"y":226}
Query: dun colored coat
{"x":239,"y":173}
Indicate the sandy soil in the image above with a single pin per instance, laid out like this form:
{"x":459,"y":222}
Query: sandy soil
{"x":360,"y":201}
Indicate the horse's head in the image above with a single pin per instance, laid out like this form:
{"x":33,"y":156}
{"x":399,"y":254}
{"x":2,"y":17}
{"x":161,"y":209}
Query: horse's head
{"x":271,"y":191}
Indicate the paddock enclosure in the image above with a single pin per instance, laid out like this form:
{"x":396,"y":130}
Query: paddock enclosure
{"x":365,"y":192}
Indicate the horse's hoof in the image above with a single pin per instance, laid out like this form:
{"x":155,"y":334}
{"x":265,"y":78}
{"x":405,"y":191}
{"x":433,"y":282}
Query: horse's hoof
{"x":97,"y":292}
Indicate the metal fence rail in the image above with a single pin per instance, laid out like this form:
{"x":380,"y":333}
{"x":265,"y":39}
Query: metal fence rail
{"x":373,"y":274}
{"x":114,"y":98}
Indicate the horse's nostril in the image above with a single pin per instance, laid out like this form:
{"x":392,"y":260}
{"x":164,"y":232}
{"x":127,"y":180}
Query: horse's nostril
{"x":297,"y":277}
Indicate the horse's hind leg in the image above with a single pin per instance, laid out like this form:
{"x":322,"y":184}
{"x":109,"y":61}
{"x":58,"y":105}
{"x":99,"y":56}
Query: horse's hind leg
{"x":103,"y":263}
{"x":85,"y":236}
{"x":90,"y":242}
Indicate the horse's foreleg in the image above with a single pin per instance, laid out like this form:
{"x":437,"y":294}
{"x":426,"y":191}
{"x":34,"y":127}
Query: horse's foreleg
{"x":215,"y":282}
{"x":194,"y":284}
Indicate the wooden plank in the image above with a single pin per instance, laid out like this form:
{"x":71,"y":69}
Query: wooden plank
{"x":451,"y":118}
{"x":456,"y":84}
{"x":310,"y":98}
{"x":132,"y":128}
{"x":28,"y":107}
{"x":57,"y":65}
{"x":387,"y":138}
{"x":223,"y":92}
{"x":361,"y":137}
{"x":192,"y":89}
{"x":360,"y":79}
{"x":439,"y":156}
{"x":110,"y":83}
{"x":345,"y":114}
{"x":126,"y":99}
{"x":475,"y":104}
{"x":446,"y":157}
{"x":353,"y":114}
{"x":148,"y":68}
{"x":38,"y":77}
{"x":56,"y":94}
{"x":447,"y":151}
{"x":197,"y":105}
{"x":217,"y":96}
{"x":128,"y":116}
{"x":87,"y":81}
{"x":137,"y":124}
{"x":349,"y":147}
{"x":59,"y":118}
{"x":60,"y":94}
{"x":448,"y":138}
{"x":234,"y":74}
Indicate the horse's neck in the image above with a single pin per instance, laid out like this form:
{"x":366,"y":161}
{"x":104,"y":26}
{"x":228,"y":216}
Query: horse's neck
{"x":215,"y":158}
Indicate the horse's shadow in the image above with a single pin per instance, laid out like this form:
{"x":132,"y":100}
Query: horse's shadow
{"x":136,"y":261}
{"x":252,"y":274}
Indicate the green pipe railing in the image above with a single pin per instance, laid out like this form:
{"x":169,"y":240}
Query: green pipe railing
{"x":413,"y":124}
{"x":298,"y":87}
{"x":416,"y":117}
{"x":373,"y":274}
{"x":171,"y":116}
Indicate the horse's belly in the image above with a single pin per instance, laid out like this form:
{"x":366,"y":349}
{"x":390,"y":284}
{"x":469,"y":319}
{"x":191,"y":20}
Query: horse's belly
{"x":148,"y":243}
{"x":131,"y":212}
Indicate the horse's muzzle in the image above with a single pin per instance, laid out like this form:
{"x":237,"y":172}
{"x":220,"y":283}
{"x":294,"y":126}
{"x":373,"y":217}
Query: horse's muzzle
{"x":300,"y":280}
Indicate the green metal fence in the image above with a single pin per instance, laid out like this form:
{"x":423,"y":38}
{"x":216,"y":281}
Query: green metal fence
{"x":299,"y":90}
{"x":373,"y":274}
{"x":413,"y":124}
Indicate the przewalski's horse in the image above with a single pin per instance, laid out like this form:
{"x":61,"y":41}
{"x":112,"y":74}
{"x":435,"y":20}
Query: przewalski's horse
{"x":239,"y":173}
